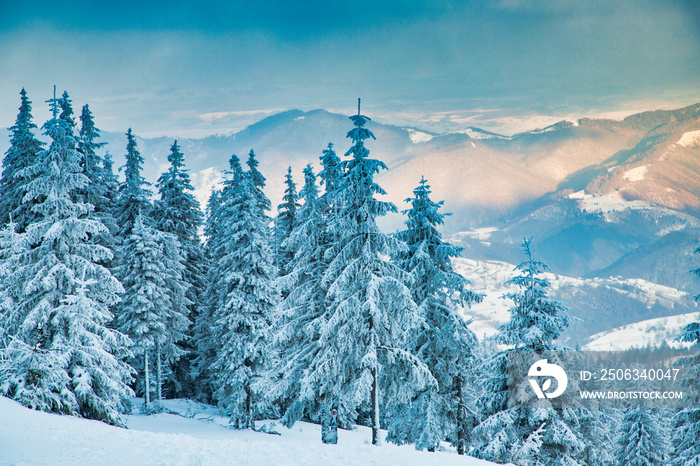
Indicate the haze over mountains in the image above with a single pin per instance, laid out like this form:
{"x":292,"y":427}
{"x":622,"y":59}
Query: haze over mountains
{"x":602,"y":198}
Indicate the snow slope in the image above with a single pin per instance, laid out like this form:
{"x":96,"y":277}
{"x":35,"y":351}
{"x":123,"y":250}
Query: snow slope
{"x":589,"y":299}
{"x":193,"y":435}
{"x":648,"y":333}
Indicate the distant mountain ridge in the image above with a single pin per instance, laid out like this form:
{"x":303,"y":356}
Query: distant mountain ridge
{"x":520,"y":185}
{"x":481,"y":175}
{"x":614,"y":202}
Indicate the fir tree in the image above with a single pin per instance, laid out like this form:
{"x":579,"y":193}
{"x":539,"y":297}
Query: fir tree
{"x":133,"y":192}
{"x":101,"y":191}
{"x":365,"y":347}
{"x":178,"y":213}
{"x":12,"y":248}
{"x":111,"y":189}
{"x":536,"y":322}
{"x":22,"y":154}
{"x":91,"y":162}
{"x":61,"y":355}
{"x":258,"y":181}
{"x":67,"y":113}
{"x":301,"y":314}
{"x":642,"y":440}
{"x":215,"y":245}
{"x":332,"y":172}
{"x":446,"y":345}
{"x":110,"y":179}
{"x":242,"y":295}
{"x":153,"y":312}
{"x":686,"y":423}
{"x":285,"y":222}
{"x":178,"y":210}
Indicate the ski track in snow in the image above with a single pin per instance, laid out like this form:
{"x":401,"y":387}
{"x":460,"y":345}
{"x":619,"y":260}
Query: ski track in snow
{"x":197,"y":436}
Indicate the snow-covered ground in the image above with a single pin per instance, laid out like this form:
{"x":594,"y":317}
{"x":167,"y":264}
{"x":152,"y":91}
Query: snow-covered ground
{"x":610,"y":202}
{"x":488,"y":278}
{"x":651,"y":332}
{"x":193,"y":434}
{"x":689,"y":139}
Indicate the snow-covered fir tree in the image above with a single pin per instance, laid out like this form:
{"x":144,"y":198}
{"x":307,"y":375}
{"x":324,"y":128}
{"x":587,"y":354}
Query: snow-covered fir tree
{"x":241,"y":297}
{"x":536,"y":321}
{"x":111,"y":183}
{"x":202,"y":340}
{"x":365,"y":356}
{"x":91,"y":162}
{"x":685,"y":448}
{"x":153,"y":312}
{"x":535,"y":324}
{"x":301,"y":315}
{"x":285,"y":222}
{"x":66,"y":105}
{"x":258,"y":181}
{"x":61,"y":356}
{"x":445,"y":344}
{"x":102,"y":190}
{"x":88,"y":145}
{"x":178,"y":213}
{"x":641,"y":439}
{"x":134,"y":194}
{"x":332,"y":172}
{"x":12,"y":248}
{"x":24,"y":147}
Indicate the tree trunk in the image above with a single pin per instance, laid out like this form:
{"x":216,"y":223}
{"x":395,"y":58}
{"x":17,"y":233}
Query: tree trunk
{"x":249,"y":424}
{"x":375,"y":408}
{"x":147,"y":388}
{"x":461,"y":421}
{"x":159,"y":373}
{"x":329,"y":424}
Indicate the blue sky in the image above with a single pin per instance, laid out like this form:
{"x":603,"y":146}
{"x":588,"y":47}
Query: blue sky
{"x":194,"y":68}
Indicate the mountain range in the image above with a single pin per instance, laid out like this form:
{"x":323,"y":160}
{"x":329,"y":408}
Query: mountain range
{"x":602,"y":198}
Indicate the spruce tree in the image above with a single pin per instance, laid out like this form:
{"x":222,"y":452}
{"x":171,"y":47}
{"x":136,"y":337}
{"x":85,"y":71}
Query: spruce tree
{"x":686,"y":423}
{"x":332,"y":172}
{"x":301,"y":315}
{"x":134,"y":194}
{"x":61,"y":356}
{"x":24,"y":147}
{"x":215,"y":245}
{"x":101,"y":191}
{"x":242,"y":296}
{"x":365,"y":358}
{"x":153,"y":312}
{"x":258,"y":181}
{"x":178,"y":213}
{"x":535,"y":324}
{"x":110,"y":180}
{"x":12,"y":248}
{"x":642,"y":440}
{"x":66,"y":105}
{"x":91,"y":162}
{"x":285,"y":222}
{"x":445,"y":344}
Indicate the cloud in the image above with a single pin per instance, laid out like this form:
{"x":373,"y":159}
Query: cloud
{"x":227,"y":116}
{"x":212,"y":67}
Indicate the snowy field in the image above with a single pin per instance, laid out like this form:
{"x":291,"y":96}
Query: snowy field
{"x":193,"y":434}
